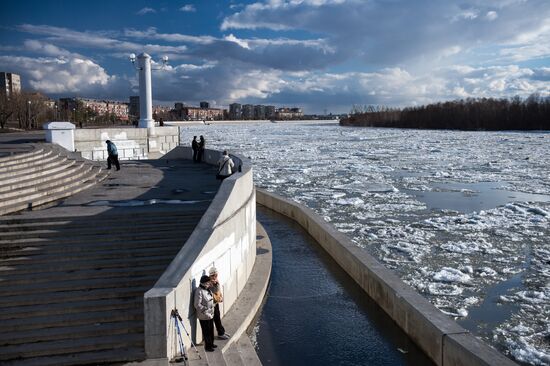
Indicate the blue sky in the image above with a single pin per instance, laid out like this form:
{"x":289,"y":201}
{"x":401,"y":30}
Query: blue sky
{"x":317,"y":54}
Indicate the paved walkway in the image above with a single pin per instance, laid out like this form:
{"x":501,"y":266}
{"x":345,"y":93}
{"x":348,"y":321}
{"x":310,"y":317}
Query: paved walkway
{"x":142,"y":195}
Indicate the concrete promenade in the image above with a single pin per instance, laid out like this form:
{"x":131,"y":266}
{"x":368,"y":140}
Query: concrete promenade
{"x":73,"y":275}
{"x":74,"y":272}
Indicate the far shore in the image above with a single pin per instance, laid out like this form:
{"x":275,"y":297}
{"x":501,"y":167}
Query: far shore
{"x":229,"y":122}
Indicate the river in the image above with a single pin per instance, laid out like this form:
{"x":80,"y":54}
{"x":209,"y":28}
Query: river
{"x":463,"y":217}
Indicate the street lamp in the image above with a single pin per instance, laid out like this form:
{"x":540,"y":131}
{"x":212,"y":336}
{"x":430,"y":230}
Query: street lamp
{"x":74,"y":114}
{"x":55,"y":112}
{"x":28,"y":113}
{"x":145,"y":91}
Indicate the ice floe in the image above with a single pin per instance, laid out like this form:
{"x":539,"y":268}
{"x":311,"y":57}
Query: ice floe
{"x":492,"y":220}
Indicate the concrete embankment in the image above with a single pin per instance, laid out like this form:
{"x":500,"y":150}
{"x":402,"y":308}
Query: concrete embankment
{"x":442,"y":339}
{"x":225,"y":238}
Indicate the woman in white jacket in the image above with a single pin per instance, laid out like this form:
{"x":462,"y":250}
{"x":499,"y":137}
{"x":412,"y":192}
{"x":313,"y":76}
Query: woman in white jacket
{"x":225,"y":166}
{"x":204,"y":304}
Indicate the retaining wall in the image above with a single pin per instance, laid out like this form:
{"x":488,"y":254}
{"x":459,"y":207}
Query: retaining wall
{"x":442,"y":339}
{"x":132,"y":143}
{"x":225,"y":238}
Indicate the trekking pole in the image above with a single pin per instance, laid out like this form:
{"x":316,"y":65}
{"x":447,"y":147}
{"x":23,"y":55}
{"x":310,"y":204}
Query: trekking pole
{"x":177,"y":315}
{"x":179,"y":339}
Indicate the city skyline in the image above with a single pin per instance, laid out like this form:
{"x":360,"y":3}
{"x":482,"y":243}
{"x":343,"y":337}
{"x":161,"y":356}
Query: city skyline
{"x":318,"y":54}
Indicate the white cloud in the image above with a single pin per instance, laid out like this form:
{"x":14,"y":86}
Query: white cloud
{"x":491,"y":15}
{"x":146,"y":10}
{"x":399,"y":32}
{"x":151,"y":33}
{"x":60,"y":75}
{"x":188,"y":8}
{"x":48,"y":49}
{"x":232,"y":38}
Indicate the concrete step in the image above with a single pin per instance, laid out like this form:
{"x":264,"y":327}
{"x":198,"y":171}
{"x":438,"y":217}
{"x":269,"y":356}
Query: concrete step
{"x":214,"y":358}
{"x":71,"y":346}
{"x":11,"y":182}
{"x":89,"y":172}
{"x":18,"y":168}
{"x":247,"y":352}
{"x":23,"y":250}
{"x":103,"y":357}
{"x":232,"y":356}
{"x":89,"y":241}
{"x":16,"y":223}
{"x":52,"y":197}
{"x":106,"y":217}
{"x":74,"y":319}
{"x":10,"y":153}
{"x":76,"y":332}
{"x":60,"y":297}
{"x":18,"y":312}
{"x":88,"y":228}
{"x":70,"y":173}
{"x":20,"y":160}
{"x":98,"y":256}
{"x":130,"y":262}
{"x":45,"y":277}
{"x":77,"y":285}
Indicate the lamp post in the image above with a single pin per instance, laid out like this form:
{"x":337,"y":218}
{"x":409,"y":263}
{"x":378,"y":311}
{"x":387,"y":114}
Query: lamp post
{"x":74,"y":115}
{"x":55,"y":112}
{"x":28,"y":113}
{"x":145,"y":90}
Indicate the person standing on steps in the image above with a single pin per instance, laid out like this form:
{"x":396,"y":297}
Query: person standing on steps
{"x":218,"y":298}
{"x":195,"y":147}
{"x":113,"y":155}
{"x":202,"y":145}
{"x":204,"y":305}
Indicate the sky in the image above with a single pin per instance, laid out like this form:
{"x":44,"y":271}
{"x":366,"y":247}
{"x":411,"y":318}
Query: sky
{"x":321,"y":55}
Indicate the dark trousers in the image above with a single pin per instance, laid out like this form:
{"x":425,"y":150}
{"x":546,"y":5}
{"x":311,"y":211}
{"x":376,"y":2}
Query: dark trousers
{"x":218,"y":320}
{"x":199,"y":157}
{"x":113,"y":159}
{"x":195,"y":155}
{"x":207,"y":327}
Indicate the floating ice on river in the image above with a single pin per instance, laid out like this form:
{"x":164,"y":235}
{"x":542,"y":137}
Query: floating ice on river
{"x":458,"y":215}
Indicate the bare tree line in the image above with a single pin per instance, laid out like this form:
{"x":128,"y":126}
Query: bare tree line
{"x":28,"y":110}
{"x":532,"y":113}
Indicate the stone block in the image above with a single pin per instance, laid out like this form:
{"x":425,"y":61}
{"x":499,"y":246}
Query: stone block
{"x":466,"y":350}
{"x":99,"y":155}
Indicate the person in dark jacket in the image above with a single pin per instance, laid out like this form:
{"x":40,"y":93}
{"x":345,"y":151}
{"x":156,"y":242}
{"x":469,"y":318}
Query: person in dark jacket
{"x":204,"y":305}
{"x":202,"y":146}
{"x":216,"y":290}
{"x":113,"y":155}
{"x":195,"y":147}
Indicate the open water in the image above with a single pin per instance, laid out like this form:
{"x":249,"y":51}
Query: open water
{"x":463,"y":217}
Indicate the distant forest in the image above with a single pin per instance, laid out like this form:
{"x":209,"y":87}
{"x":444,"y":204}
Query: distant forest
{"x":532,"y":113}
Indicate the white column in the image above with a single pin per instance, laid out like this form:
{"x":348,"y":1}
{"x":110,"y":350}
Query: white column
{"x":145,"y":92}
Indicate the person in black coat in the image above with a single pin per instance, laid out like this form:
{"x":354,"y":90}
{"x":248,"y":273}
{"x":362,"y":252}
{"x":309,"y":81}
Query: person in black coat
{"x":195,"y":146}
{"x":202,"y":144}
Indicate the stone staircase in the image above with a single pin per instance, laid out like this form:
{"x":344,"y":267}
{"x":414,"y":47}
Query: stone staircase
{"x":36,"y":174}
{"x":71,"y":288}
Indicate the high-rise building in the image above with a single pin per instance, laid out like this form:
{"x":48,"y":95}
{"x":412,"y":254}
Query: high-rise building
{"x":248,"y":111}
{"x":235,"y":111}
{"x":270,"y":111}
{"x":9,"y":83}
{"x":259,"y":112}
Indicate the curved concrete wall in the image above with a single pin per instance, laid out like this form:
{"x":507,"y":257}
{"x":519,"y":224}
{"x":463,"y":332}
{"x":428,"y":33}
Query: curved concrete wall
{"x":442,"y":339}
{"x":225,"y":238}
